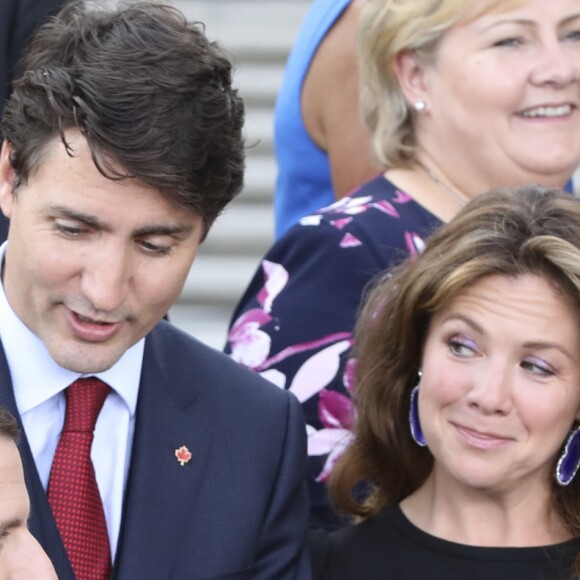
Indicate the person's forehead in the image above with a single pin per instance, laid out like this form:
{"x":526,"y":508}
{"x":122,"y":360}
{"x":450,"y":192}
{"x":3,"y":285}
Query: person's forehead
{"x":65,"y":149}
{"x":475,"y":9}
{"x":68,"y":184}
{"x":11,"y":471}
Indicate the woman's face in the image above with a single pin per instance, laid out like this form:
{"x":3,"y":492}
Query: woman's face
{"x":501,"y":384}
{"x":503,"y":96}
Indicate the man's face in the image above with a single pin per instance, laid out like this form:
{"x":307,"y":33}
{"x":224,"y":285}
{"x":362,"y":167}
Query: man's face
{"x":20,"y":554}
{"x":92,"y":264}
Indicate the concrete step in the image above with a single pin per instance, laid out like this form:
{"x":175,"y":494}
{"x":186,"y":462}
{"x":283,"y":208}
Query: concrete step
{"x":241,"y":229}
{"x":260,"y":180}
{"x":219,"y":279}
{"x":252,"y":29}
{"x":258,"y":34}
{"x":259,"y":82}
{"x":259,"y":130}
{"x":208,"y":323}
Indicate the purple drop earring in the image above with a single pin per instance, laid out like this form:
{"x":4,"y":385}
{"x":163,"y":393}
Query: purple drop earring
{"x":569,"y":461}
{"x":414,"y":422}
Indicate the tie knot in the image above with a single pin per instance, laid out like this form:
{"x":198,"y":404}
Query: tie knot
{"x":84,"y":401}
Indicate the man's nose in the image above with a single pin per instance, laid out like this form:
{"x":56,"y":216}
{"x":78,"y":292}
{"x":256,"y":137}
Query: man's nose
{"x":106,"y":278}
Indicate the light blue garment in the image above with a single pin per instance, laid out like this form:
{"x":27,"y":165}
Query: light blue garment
{"x":304,"y":182}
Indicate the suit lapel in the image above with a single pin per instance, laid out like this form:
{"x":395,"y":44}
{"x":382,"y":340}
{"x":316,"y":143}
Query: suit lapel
{"x":160,"y":492}
{"x":41,"y":523}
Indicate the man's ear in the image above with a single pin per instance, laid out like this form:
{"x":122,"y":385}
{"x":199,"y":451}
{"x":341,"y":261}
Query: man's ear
{"x":410,"y":73}
{"x":7,"y":179}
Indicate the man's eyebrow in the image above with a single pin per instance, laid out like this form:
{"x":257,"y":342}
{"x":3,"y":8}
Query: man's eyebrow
{"x":67,"y":212}
{"x":164,"y":230}
{"x":91,"y":220}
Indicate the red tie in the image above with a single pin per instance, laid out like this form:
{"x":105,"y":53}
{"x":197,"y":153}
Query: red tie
{"x":72,"y":488}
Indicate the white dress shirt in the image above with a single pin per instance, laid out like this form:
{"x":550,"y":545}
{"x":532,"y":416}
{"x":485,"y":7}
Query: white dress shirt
{"x":39,"y":385}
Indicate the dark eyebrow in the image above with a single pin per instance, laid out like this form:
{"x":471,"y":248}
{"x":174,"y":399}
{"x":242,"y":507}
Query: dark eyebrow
{"x":94,"y":222}
{"x":87,"y":219}
{"x":166,"y":230}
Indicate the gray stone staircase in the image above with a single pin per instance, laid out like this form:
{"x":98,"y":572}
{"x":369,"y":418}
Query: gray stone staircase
{"x":258,"y":34}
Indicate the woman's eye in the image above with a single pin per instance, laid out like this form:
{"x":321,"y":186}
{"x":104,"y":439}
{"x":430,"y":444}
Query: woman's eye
{"x":509,"y":42}
{"x":538,"y":367}
{"x":462,"y":346}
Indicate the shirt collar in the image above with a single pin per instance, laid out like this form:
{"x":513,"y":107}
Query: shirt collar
{"x":36,"y":383}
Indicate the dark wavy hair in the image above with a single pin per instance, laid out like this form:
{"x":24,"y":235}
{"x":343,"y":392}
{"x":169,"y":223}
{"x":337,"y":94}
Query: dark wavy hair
{"x":150,"y":93}
{"x":509,"y":232}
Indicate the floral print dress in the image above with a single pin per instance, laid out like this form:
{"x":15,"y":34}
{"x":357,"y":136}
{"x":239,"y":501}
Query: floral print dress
{"x":295,"y":321}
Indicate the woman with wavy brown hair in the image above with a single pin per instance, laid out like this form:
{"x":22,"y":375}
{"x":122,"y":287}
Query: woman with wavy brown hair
{"x":468,"y":403}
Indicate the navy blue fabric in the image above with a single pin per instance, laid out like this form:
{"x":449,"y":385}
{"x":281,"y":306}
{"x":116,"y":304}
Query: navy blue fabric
{"x":299,"y":333}
{"x":238,"y":509}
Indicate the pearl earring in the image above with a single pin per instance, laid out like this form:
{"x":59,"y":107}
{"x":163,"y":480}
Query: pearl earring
{"x":420,"y":105}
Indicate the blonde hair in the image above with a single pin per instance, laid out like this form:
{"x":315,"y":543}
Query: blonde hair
{"x":509,"y":232}
{"x":387,"y":28}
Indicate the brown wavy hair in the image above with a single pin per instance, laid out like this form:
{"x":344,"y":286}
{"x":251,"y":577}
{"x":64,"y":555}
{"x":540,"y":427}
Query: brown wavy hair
{"x":510,"y":232}
{"x":147,"y":89}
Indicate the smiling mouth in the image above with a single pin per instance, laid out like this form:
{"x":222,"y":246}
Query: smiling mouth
{"x":481,"y":440}
{"x":546,"y":112}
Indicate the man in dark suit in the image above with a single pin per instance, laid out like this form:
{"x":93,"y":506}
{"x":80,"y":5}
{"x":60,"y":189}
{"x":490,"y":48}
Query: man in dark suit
{"x":18,"y":18}
{"x":123,"y":143}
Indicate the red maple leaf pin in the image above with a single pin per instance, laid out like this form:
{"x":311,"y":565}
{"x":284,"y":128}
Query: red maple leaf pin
{"x":183,"y":455}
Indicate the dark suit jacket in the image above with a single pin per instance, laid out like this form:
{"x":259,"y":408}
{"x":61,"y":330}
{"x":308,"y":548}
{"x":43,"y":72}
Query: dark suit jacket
{"x":237,"y":510}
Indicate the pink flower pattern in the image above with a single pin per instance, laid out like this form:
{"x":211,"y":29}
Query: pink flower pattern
{"x":350,"y":241}
{"x":295,"y":324}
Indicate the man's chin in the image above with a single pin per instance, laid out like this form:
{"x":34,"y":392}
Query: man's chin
{"x":87,"y":360}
